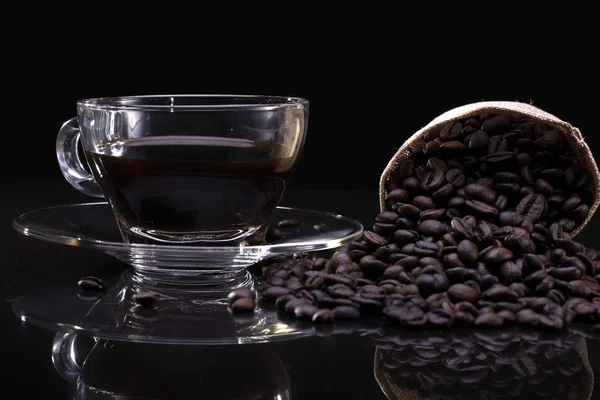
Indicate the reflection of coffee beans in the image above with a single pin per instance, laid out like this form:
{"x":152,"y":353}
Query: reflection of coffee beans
{"x":482,"y":214}
{"x":484,"y":366}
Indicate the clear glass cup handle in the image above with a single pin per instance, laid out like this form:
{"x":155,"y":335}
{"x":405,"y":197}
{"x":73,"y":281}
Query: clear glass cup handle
{"x":70,"y":162}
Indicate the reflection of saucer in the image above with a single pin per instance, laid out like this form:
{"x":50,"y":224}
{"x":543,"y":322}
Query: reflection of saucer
{"x":504,"y":364}
{"x":93,"y":225}
{"x":119,"y":370}
{"x":180,"y":317}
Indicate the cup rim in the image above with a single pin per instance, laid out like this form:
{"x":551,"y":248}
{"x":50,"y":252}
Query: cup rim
{"x":193,"y":102}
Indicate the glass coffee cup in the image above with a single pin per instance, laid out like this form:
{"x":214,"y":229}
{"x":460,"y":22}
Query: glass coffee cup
{"x":186,"y":169}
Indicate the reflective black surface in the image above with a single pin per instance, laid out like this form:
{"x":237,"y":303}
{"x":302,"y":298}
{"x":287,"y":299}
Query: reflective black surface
{"x":365,"y":364}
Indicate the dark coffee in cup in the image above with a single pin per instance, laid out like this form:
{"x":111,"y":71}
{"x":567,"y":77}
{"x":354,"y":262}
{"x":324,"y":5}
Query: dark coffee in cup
{"x":190,"y":189}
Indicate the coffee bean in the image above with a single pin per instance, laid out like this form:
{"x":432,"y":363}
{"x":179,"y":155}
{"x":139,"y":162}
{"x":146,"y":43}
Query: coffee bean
{"x":387,"y":217}
{"x":496,"y":125}
{"x":374,"y":240}
{"x":341,"y":313}
{"x":481,"y":193}
{"x":432,"y":227}
{"x":399,"y":196}
{"x":480,"y":209}
{"x":271,"y":294}
{"x":432,"y":180}
{"x":491,"y":320}
{"x":443,"y":193}
{"x":322,"y":316}
{"x":243,"y":305}
{"x":407,"y":210}
{"x":147,"y":299}
{"x":238,"y":294}
{"x":434,"y":213}
{"x":456,"y":177}
{"x":461,"y":292}
{"x":510,"y":218}
{"x":528,"y":317}
{"x":305,"y":311}
{"x":423,"y":202}
{"x":432,"y":282}
{"x":91,"y":283}
{"x":510,"y":272}
{"x":567,"y":273}
{"x":500,"y":293}
{"x":498,"y":255}
{"x":532,"y":207}
{"x":340,"y":290}
{"x":425,"y":249}
{"x":282,"y":301}
{"x":468,"y":252}
{"x":403,"y":236}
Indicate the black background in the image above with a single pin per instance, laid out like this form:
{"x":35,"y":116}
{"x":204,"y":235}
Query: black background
{"x":374,"y":73}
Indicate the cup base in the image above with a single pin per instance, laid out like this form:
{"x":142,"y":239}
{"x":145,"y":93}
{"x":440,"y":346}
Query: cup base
{"x":252,"y":236}
{"x":208,"y":285}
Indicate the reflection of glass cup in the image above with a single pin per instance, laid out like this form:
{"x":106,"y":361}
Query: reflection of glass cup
{"x":484,"y":365}
{"x":186,"y":169}
{"x":125,"y":370}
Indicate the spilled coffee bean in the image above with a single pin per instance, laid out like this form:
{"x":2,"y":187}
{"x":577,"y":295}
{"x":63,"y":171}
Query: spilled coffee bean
{"x":476,"y":231}
{"x":146,"y":299}
{"x":91,"y":283}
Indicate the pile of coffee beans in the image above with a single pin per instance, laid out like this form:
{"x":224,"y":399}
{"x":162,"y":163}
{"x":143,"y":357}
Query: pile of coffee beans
{"x":478,"y":366}
{"x":477,"y":231}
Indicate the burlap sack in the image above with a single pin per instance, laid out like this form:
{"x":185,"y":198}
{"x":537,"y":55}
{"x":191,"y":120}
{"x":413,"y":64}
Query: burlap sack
{"x":572,"y":135}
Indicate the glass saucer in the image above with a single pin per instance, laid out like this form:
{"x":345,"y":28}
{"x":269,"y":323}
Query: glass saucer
{"x":208,"y":268}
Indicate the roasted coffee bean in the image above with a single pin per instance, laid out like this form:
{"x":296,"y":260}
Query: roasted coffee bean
{"x":239,"y":293}
{"x":451,"y":130}
{"x":288,"y":223}
{"x":567,"y":273}
{"x":440,"y":317}
{"x":461,"y":292}
{"x":456,"y":177}
{"x":314,"y":282}
{"x":528,"y":317}
{"x":91,"y":283}
{"x":492,"y":320}
{"x":468,"y":252}
{"x":150,"y":299}
{"x":432,"y":227}
{"x":290,"y":306}
{"x":434,"y":214}
{"x":432,"y":180}
{"x":500,"y":293}
{"x":243,"y":305}
{"x":341,"y":313}
{"x":374,"y":240}
{"x":387,"y":217}
{"x":443,"y":193}
{"x":398,"y":196}
{"x":480,"y":209}
{"x":498,"y":255}
{"x":340,"y":290}
{"x":478,"y":141}
{"x":305,"y":311}
{"x":496,"y":125}
{"x":510,"y":272}
{"x":556,"y":296}
{"x":429,"y":283}
{"x":481,"y":193}
{"x":282,"y":301}
{"x":510,"y":218}
{"x":322,"y":316}
{"x":423,"y":202}
{"x":532,"y":207}
{"x":403,"y":236}
{"x":271,"y":294}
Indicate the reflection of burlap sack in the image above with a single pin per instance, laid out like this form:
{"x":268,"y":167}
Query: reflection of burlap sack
{"x":571,"y":133}
{"x":565,"y":362}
